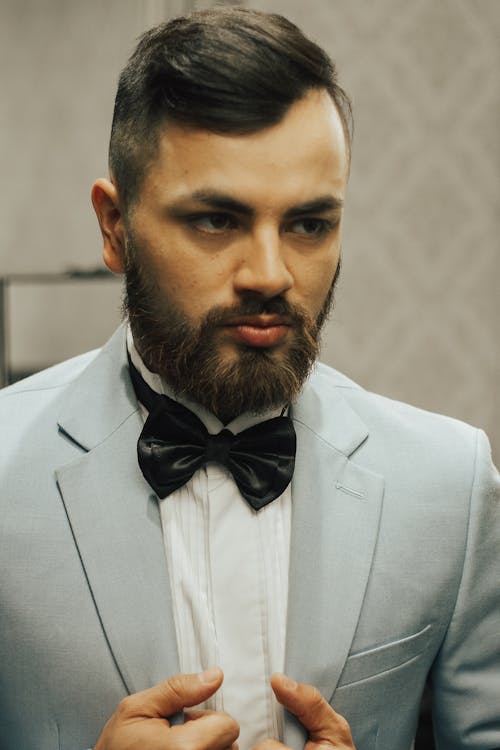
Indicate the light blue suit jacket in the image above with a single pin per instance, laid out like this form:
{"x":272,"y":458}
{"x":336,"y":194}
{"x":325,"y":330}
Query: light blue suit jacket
{"x":394,"y":569}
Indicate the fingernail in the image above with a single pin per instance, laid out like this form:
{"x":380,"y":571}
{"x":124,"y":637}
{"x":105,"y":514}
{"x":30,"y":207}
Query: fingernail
{"x":288,"y":683}
{"x":209,"y":676}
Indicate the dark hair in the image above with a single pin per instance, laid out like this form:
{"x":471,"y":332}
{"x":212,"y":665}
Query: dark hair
{"x":225,"y":70}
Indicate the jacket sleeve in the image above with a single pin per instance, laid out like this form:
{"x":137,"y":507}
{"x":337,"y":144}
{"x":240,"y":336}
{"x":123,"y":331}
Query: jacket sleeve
{"x":466,"y":675}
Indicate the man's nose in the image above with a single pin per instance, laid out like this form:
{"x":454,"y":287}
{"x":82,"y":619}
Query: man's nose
{"x":262,"y":269}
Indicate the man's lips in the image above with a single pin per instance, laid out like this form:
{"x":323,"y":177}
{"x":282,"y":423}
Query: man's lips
{"x":264,"y":330}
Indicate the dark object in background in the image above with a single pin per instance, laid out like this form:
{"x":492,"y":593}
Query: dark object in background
{"x":31,"y":321}
{"x":424,"y":739}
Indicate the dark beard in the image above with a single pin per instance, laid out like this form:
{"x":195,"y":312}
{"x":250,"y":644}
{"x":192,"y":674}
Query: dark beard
{"x":187,"y":357}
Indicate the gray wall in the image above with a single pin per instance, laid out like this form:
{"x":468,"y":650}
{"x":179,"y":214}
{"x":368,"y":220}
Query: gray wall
{"x":418,"y":307}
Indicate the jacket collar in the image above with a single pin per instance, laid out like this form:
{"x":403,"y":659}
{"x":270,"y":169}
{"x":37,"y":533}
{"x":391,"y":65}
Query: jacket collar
{"x":336,"y":506}
{"x":102,"y":397}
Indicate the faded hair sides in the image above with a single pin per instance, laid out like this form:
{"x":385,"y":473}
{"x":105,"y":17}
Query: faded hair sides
{"x":225,"y":70}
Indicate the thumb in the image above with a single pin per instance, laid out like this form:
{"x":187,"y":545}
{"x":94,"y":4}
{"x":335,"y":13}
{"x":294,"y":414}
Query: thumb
{"x":175,"y":694}
{"x":325,"y":726}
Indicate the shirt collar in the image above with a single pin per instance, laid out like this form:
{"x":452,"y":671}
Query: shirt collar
{"x":211,"y":422}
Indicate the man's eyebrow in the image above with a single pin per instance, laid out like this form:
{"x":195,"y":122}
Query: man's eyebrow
{"x":223,"y":202}
{"x":214,"y":199}
{"x":317,"y":206}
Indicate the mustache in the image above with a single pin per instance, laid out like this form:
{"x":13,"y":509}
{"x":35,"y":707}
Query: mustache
{"x":256,"y":306}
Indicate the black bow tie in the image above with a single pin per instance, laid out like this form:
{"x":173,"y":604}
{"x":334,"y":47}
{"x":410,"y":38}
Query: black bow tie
{"x":174,"y":443}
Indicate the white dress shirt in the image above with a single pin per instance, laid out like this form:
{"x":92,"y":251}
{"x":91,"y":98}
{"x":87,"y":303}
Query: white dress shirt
{"x":228,"y":568}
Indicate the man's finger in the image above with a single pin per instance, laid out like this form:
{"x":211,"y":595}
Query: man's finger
{"x":140,"y":720}
{"x":200,"y":713}
{"x":171,"y":696}
{"x":271,"y":745}
{"x":314,"y":713}
{"x":215,"y":730}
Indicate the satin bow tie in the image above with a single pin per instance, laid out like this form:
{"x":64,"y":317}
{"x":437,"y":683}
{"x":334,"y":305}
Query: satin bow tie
{"x":174,"y":443}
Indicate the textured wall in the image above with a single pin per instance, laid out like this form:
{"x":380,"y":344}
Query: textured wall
{"x":418,"y":307}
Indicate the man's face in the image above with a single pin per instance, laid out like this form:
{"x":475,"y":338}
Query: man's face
{"x":231,"y":255}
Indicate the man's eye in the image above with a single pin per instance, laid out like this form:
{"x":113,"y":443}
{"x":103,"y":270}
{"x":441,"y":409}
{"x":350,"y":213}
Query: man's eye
{"x":310,"y":227}
{"x":212,"y":223}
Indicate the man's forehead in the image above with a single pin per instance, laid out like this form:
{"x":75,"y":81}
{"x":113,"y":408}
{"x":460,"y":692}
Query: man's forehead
{"x":315,"y":116}
{"x":305,"y":152}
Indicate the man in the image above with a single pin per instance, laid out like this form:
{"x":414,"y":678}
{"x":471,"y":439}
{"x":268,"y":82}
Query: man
{"x":151,"y":529}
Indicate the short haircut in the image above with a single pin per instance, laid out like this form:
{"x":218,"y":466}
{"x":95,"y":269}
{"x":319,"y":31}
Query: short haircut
{"x":228,"y":70}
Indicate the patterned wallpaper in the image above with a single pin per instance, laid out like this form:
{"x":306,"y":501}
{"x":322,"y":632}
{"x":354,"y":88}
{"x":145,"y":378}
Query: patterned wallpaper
{"x":418,"y":313}
{"x":418,"y":308}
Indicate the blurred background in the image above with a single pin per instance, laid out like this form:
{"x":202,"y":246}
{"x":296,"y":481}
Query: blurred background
{"x":418,"y":308}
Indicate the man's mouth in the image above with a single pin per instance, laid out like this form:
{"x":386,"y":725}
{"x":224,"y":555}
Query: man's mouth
{"x":263,"y":331}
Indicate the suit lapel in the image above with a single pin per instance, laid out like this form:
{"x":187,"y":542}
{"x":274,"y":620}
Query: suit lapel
{"x":116,"y":526}
{"x":115,"y":521}
{"x":335,"y":517}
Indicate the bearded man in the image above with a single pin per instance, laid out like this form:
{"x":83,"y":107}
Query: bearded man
{"x":216,"y":538}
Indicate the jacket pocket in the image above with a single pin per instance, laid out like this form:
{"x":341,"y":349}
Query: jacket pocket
{"x":368,"y":663}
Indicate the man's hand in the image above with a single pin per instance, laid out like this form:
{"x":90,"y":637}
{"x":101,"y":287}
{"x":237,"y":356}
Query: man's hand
{"x":326,"y":728}
{"x":139,"y":722}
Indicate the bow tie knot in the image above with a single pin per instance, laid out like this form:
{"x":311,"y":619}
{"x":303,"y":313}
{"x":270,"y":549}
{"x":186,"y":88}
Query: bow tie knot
{"x":174,"y":443}
{"x":218,"y":446}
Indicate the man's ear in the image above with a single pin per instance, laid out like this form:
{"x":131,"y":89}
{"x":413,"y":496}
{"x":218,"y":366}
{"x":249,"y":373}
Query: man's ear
{"x":106,"y":202}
